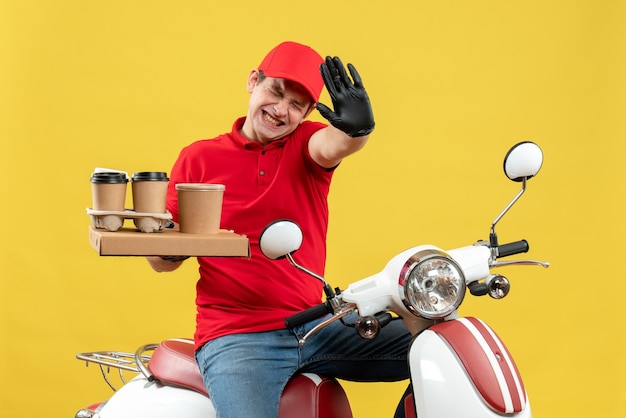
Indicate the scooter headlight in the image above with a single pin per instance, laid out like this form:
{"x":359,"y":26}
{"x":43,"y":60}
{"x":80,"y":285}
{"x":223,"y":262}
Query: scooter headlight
{"x":431,"y":284}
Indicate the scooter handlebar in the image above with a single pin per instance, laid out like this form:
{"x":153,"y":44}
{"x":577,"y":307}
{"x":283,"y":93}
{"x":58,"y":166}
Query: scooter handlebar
{"x":516,"y":247}
{"x":308,"y":315}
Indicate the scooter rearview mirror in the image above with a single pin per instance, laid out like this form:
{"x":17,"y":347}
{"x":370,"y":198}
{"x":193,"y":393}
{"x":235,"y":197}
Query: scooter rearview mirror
{"x":523,"y":161}
{"x":280,"y":238}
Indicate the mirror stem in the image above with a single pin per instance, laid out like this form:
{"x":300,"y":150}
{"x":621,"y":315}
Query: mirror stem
{"x":506,"y":209}
{"x":330,"y":293}
{"x":309,"y":272}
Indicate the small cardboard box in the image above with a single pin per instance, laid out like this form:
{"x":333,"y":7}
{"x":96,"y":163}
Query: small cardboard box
{"x":131,"y":242}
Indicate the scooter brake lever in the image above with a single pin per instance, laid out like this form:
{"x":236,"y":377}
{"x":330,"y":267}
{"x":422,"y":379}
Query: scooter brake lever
{"x":343,"y":311}
{"x":544,"y":264}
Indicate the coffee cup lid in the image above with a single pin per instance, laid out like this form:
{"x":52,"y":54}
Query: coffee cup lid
{"x":150,"y":175}
{"x":108,"y":177}
{"x":200,"y":187}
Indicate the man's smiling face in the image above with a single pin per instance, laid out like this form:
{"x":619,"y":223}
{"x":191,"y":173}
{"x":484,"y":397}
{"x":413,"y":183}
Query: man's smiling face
{"x":276,"y":108}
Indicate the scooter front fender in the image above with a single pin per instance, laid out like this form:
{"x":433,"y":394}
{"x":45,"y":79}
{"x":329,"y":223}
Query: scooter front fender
{"x":140,"y":398}
{"x":462,"y":368}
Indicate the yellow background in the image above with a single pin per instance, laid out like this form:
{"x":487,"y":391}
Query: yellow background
{"x":126,"y":84}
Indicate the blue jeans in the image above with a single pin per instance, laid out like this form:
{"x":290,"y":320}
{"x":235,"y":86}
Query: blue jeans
{"x":245,"y":374}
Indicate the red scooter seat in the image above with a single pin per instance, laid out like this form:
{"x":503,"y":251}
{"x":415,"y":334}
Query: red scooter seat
{"x":305,"y":396}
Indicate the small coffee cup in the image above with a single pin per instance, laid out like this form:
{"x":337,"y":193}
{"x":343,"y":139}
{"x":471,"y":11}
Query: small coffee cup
{"x":149,"y":191}
{"x":108,"y":190}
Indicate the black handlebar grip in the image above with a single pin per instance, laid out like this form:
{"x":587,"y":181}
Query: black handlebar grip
{"x":511,"y":248}
{"x":310,"y":314}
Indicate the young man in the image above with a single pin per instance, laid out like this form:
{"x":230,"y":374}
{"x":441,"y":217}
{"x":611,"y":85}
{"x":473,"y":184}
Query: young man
{"x":275,"y":164}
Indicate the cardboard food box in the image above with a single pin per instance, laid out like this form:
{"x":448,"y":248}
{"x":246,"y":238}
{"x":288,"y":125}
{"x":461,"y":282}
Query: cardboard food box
{"x":131,"y":242}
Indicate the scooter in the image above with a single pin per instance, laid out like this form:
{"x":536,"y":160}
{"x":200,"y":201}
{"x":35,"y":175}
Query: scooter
{"x":459,"y":367}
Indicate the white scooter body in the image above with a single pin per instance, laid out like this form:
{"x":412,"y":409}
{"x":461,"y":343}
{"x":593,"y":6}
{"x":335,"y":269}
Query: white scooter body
{"x":141,"y":398}
{"x":462,"y":356}
{"x":464,"y":370}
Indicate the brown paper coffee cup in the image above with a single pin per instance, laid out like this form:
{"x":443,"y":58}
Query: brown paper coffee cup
{"x":149,"y":191}
{"x":200,"y":207}
{"x":108,"y":191}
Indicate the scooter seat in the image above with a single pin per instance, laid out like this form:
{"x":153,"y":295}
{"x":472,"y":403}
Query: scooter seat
{"x":173,"y":362}
{"x":306,"y":395}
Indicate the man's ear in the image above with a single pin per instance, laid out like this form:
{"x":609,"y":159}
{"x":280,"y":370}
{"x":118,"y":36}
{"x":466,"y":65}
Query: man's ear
{"x":311,"y":109}
{"x":253,"y":79}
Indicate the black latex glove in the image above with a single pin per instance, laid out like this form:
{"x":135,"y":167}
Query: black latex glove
{"x":353,"y":111}
{"x":174,"y":258}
